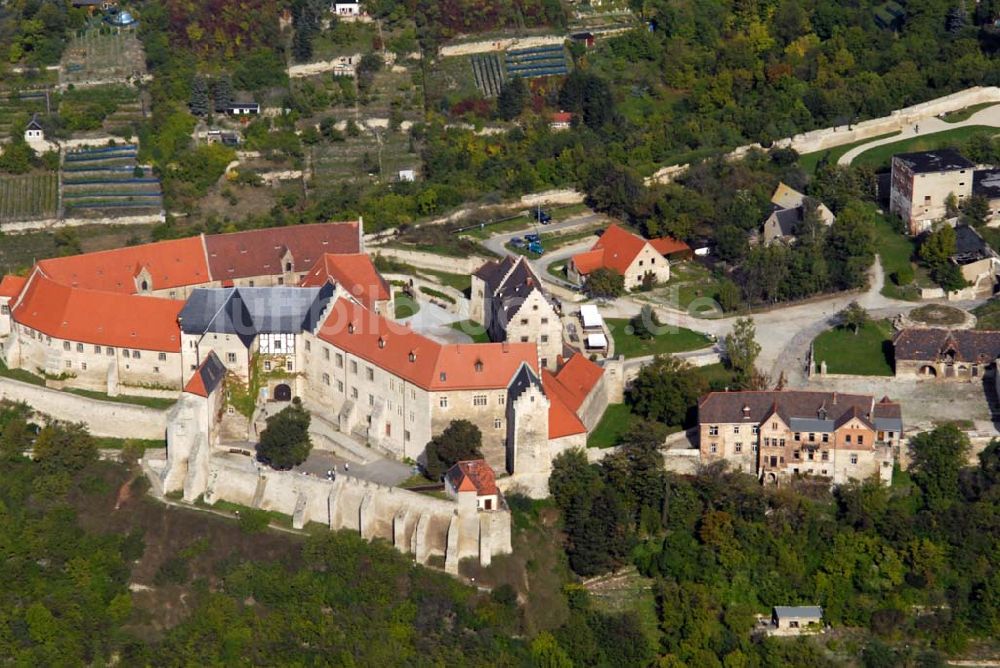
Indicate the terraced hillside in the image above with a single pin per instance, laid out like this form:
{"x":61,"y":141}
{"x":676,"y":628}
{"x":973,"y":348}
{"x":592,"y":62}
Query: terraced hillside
{"x":108,"y":182}
{"x":538,"y":61}
{"x":28,"y":197}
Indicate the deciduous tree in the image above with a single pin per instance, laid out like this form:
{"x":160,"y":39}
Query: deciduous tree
{"x":459,"y":441}
{"x":285,"y":442}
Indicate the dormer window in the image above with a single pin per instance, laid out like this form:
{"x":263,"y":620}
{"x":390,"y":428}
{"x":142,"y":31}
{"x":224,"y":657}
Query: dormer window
{"x":381,"y":342}
{"x":479,"y":366}
{"x":288,"y":266}
{"x":145,"y":286}
{"x":413,"y":357}
{"x":443,"y":376}
{"x":350,"y":328}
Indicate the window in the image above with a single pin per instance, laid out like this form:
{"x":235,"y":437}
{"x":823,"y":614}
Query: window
{"x":162,"y":357}
{"x":109,"y":351}
{"x":326,"y":379}
{"x":524,"y":339}
{"x":545,"y":338}
{"x":927,"y":200}
{"x":277,"y":344}
{"x":810,"y":455}
{"x":411,"y":416}
{"x":812,"y":437}
{"x":388,"y":429}
{"x":497,"y":423}
{"x":545,"y":361}
{"x":65,"y":345}
{"x":326,"y":353}
{"x":97,"y":350}
{"x":443,"y":402}
{"x":354,"y":366}
{"x":354,"y":393}
{"x":371,"y":400}
{"x":736,"y":429}
{"x":289,"y":365}
{"x":250,"y":283}
{"x":713,"y":448}
{"x":156,"y":369}
{"x":369,"y":373}
{"x":861,"y":439}
{"x":83,"y":366}
{"x":781,"y":442}
{"x":796,"y":455}
{"x":774,"y":425}
{"x":767,"y":442}
{"x":755,"y":429}
{"x":135,"y":354}
{"x":267,"y":365}
{"x":69,"y":365}
{"x":231,"y":358}
{"x":847,"y":439}
{"x":340,"y":361}
{"x":502,"y":399}
{"x":854,"y":459}
{"x":479,"y":400}
{"x":308,"y":345}
{"x":524,"y":321}
{"x":826,"y":438}
{"x":406,"y":435}
{"x":545,"y":321}
{"x":79,"y":347}
{"x":5,"y":309}
{"x":340,"y":386}
{"x":825,"y":455}
{"x":281,"y":280}
{"x":738,"y":448}
{"x":713,"y":430}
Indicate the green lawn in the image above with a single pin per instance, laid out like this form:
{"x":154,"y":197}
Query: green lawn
{"x":717,"y":376}
{"x":405,"y":306}
{"x":988,"y":315}
{"x":111,"y":443}
{"x":896,"y":250}
{"x":461,"y":282}
{"x":880,"y":156}
{"x":21,"y":374}
{"x":557,"y":269}
{"x":809,"y":161}
{"x":158,"y":403}
{"x":965,"y":114}
{"x":437,"y":294}
{"x":617,"y":420}
{"x":476,"y":331}
{"x":867,"y":353}
{"x":676,"y":340}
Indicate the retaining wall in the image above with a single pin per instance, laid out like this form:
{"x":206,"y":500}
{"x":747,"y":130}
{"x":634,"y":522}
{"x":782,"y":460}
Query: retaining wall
{"x":421,"y":260}
{"x":103,"y":418}
{"x":55,"y":223}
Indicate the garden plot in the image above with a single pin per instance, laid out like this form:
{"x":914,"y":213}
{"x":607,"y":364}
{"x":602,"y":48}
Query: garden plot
{"x":28,"y":196}
{"x":103,"y":53}
{"x":450,"y":80}
{"x":108,"y":181}
{"x":358,"y":159}
{"x":16,"y":107}
{"x":489,"y":74}
{"x":538,"y":61}
{"x":393,"y":90}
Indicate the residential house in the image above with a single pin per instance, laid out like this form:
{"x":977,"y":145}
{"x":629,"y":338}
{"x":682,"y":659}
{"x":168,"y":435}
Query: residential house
{"x":962,"y":355}
{"x":922,"y":183}
{"x":979,"y":263}
{"x":787,"y":214}
{"x":561,"y":120}
{"x":781,"y":433}
{"x":356,"y":274}
{"x":472,"y":481}
{"x":627,"y":254}
{"x":794,"y":619}
{"x":508,"y":300}
{"x":346,"y":8}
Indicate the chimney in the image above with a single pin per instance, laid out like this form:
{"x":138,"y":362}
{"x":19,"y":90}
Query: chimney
{"x":505,"y":346}
{"x":834,"y":398}
{"x":746,"y":412}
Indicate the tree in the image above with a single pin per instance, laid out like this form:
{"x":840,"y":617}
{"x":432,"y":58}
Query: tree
{"x":222,"y":92}
{"x":605,"y":283}
{"x":976,"y":210}
{"x":730,"y":296}
{"x":285,"y":441}
{"x":854,"y":316}
{"x":546,"y":653}
{"x":199,"y":103}
{"x":742,"y":349}
{"x":459,"y":441}
{"x":646,"y":323}
{"x":62,"y":447}
{"x":16,"y":157}
{"x":731,"y":243}
{"x":666,"y":390}
{"x":937,"y":457}
{"x":513,"y":97}
{"x":936,"y":252}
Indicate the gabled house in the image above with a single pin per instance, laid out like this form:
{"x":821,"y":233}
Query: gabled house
{"x":473,"y":482}
{"x":977,"y":261}
{"x":627,"y":254}
{"x":788,"y":211}
{"x":962,"y":354}
{"x":508,"y":300}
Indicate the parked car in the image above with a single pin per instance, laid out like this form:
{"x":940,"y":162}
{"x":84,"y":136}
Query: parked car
{"x":517,"y":242}
{"x":544,"y":218}
{"x":532,"y":238}
{"x":536,"y":247}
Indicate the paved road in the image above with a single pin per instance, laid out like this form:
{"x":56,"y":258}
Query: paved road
{"x":927,"y":126}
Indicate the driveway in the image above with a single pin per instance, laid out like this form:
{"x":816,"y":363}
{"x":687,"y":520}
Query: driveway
{"x":927,"y":126}
{"x":383,"y":471}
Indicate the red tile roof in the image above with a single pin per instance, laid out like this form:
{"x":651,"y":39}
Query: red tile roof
{"x":100,"y":318}
{"x":473,"y":475}
{"x":562,"y":117}
{"x":259,"y":252}
{"x":11,"y":285}
{"x":618,"y":248}
{"x":171,"y":264}
{"x":567,"y":389}
{"x":355,"y":272}
{"x":422,"y":361}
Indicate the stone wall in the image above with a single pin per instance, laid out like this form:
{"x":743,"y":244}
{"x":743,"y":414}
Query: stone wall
{"x":55,"y":223}
{"x":421,"y":260}
{"x":102,"y":418}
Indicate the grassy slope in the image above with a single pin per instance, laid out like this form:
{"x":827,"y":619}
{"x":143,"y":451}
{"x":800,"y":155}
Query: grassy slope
{"x":879,"y":156}
{"x":896,"y":251}
{"x":867,"y":353}
{"x":810,"y":161}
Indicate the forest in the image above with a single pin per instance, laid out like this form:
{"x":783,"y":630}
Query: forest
{"x":915,"y":564}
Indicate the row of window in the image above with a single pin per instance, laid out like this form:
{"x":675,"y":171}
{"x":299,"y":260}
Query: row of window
{"x":713,"y":430}
{"x":84,"y":366}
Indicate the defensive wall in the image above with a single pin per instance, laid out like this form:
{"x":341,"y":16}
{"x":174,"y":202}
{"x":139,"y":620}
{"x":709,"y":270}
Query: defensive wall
{"x":421,"y":260}
{"x":826,"y":138}
{"x":102,"y":418}
{"x":55,"y":223}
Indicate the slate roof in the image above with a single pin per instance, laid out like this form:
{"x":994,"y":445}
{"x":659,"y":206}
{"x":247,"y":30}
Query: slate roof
{"x":248,"y":312}
{"x":207,"y":377}
{"x":941,"y":160}
{"x":508,"y":283}
{"x":798,"y":611}
{"x":928,"y":345}
{"x":986,"y":183}
{"x":787,"y":219}
{"x":756,"y":406}
{"x":969,"y":246}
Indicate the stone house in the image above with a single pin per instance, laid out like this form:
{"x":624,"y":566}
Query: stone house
{"x":978,"y":262}
{"x":356,"y":274}
{"x":921,"y":183}
{"x":508,"y":300}
{"x":628,"y":254}
{"x":473,"y":482}
{"x":788,"y":211}
{"x":960,"y":355}
{"x":794,"y":619}
{"x":777,"y":434}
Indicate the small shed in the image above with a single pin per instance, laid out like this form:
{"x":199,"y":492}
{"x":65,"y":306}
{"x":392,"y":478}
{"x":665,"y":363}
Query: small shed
{"x":597,"y":341}
{"x":591,"y":318}
{"x":795,"y":617}
{"x":33,"y":131}
{"x":243,"y":109}
{"x":407,"y":175}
